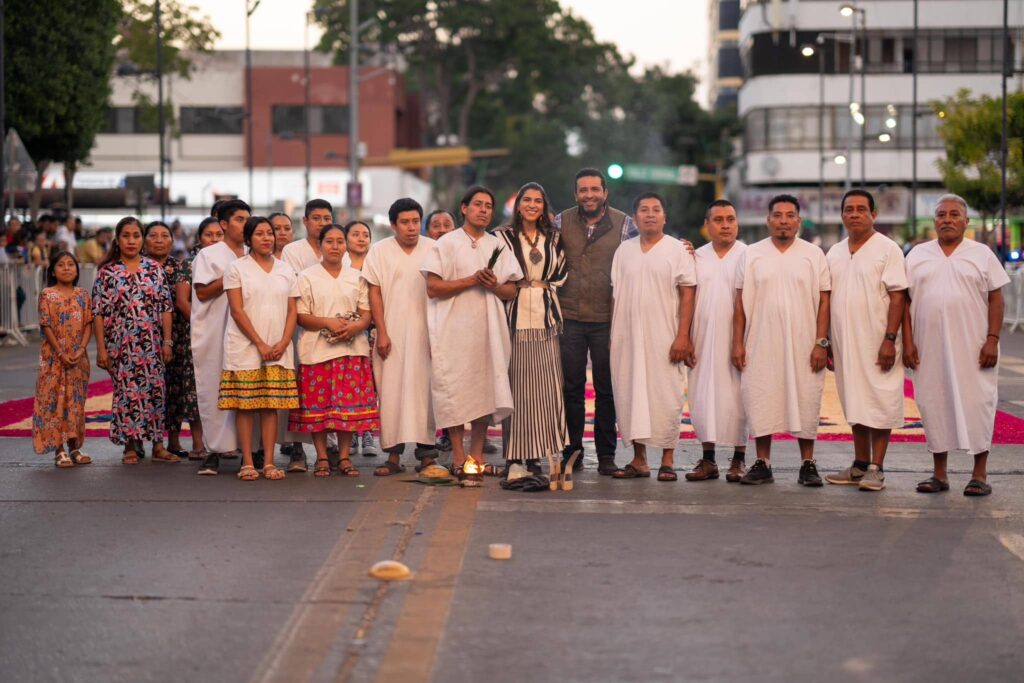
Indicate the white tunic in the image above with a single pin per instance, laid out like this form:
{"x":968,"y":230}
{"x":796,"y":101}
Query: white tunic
{"x":300,"y":255}
{"x":208,"y":324}
{"x":781,"y":292}
{"x":403,"y":378}
{"x":861,"y":286}
{"x":469,"y":337}
{"x":949,"y":314}
{"x":323,"y":295}
{"x":648,"y":387}
{"x":265,"y":300}
{"x":716,"y":408}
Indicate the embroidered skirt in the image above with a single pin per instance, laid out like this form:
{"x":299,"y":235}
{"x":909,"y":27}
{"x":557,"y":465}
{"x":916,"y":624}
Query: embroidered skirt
{"x":272,"y":387}
{"x":337,"y":395}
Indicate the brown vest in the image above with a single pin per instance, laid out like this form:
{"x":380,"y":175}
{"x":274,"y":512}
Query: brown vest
{"x":586,"y":296}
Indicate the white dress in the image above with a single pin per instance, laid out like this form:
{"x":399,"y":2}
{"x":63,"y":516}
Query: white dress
{"x":208,"y":324}
{"x":861,"y":286}
{"x":403,"y":378}
{"x":716,"y":407}
{"x":949,"y":316}
{"x":325,"y":296}
{"x":265,"y":301}
{"x":469,"y":337}
{"x":781,"y":293}
{"x":647,"y":386}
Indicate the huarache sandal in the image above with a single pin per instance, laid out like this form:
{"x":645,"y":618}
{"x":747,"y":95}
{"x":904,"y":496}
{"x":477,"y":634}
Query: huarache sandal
{"x":322,"y":468}
{"x":62,"y":460}
{"x":348,"y":470}
{"x":667,"y":473}
{"x":164,"y":455}
{"x":565,"y":481}
{"x":80,"y":458}
{"x":389,"y":468}
{"x":977,"y":487}
{"x":248,"y":473}
{"x":180,"y":452}
{"x":492,"y":471}
{"x":196,"y":455}
{"x":130,"y":458}
{"x":630,"y":472}
{"x":272,"y":472}
{"x":932,"y":485}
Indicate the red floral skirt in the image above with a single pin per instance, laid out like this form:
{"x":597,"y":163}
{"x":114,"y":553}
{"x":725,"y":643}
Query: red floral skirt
{"x":337,"y":395}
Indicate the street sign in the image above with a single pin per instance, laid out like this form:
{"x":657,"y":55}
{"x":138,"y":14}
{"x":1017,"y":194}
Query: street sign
{"x":355,"y":195}
{"x":663,"y":175}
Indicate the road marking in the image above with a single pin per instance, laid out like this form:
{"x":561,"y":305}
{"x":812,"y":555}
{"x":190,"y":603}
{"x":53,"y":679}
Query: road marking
{"x":1014,"y":543}
{"x":413,"y":648}
{"x":627,"y":507}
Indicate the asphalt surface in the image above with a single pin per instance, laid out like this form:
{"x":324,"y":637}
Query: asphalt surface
{"x":151,"y":573}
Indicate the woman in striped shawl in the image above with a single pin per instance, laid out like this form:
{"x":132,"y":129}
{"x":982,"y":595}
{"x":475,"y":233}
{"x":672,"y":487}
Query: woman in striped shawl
{"x":536,"y":429}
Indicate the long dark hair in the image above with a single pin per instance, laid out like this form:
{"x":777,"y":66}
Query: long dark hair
{"x":51,"y":275}
{"x":114,"y":252}
{"x":543,"y":222}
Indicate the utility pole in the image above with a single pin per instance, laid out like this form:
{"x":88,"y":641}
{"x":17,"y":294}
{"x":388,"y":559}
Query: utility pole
{"x":913,"y":132}
{"x":3,"y":120}
{"x":1005,"y":250}
{"x":249,"y":9}
{"x":355,"y":195}
{"x":161,"y":123}
{"x":306,"y":76}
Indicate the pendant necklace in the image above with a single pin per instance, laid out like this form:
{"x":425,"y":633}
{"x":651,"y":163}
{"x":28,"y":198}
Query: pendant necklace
{"x":535,"y":255}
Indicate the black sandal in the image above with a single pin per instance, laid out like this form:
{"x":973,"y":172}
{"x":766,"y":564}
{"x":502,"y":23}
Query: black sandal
{"x":388,"y":468}
{"x":977,"y":487}
{"x":630,"y":472}
{"x":349,"y":470}
{"x":932,"y":485}
{"x":667,"y":473}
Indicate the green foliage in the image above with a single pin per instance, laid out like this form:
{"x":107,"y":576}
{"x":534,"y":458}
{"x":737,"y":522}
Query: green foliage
{"x":527,"y":75}
{"x":57,"y":71}
{"x":972,"y":132}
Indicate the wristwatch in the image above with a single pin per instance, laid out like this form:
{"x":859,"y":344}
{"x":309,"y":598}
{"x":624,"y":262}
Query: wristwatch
{"x":823,"y":342}
{"x":890,"y":336}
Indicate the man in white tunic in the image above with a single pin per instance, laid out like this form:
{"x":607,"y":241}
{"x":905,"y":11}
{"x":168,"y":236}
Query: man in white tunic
{"x":779,"y":340}
{"x":302,"y":254}
{"x":951,"y":341}
{"x":869,"y":282}
{"x":469,"y":339}
{"x":208,"y":324}
{"x":401,"y":357}
{"x":653,"y":284}
{"x":716,"y":409}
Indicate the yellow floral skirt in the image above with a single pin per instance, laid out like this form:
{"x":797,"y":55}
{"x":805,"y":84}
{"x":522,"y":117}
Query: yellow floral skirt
{"x":272,"y":387}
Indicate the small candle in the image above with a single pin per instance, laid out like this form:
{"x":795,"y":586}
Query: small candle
{"x":500,"y":551}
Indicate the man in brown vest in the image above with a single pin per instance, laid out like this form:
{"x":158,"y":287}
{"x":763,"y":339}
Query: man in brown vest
{"x":591,"y":232}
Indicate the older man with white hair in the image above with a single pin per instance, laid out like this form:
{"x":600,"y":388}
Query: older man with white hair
{"x":951,"y":341}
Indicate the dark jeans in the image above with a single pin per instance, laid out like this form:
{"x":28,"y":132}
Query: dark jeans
{"x":576,"y":341}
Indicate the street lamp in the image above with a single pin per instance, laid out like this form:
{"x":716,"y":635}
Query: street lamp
{"x":851,"y":10}
{"x":250,"y":7}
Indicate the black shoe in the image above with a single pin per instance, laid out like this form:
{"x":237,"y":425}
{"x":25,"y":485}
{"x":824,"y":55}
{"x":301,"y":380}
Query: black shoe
{"x":297,"y":461}
{"x":533,"y":467}
{"x":210,"y":464}
{"x":809,"y":474}
{"x":760,"y":473}
{"x":444,"y":443}
{"x":606,"y":466}
{"x":257,"y":459}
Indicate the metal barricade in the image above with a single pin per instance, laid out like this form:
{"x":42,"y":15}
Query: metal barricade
{"x":9,"y":299}
{"x":1013,"y":298}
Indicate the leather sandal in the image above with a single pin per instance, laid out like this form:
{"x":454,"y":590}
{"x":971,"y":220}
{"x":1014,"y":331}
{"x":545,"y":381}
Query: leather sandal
{"x":630,"y":472}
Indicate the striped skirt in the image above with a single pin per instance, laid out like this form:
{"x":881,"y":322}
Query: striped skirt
{"x":337,"y":395}
{"x":272,"y":387}
{"x":537,"y":425}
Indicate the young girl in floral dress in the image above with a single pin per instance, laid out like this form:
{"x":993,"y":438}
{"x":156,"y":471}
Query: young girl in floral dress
{"x":65,"y":318}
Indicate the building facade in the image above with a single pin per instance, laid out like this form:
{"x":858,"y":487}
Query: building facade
{"x":804,"y":95}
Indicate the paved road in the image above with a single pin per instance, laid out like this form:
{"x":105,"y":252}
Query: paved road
{"x":153,"y":574}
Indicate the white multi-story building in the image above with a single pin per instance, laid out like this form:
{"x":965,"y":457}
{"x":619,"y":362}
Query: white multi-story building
{"x":799,"y":132}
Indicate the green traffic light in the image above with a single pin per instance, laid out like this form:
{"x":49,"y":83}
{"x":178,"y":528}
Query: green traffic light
{"x":615,"y":171}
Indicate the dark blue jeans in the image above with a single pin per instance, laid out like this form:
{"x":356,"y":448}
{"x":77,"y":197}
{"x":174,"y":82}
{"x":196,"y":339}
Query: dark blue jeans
{"x":577,"y":341}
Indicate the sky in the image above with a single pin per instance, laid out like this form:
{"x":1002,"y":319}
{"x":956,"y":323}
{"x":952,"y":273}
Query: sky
{"x":656,"y":32}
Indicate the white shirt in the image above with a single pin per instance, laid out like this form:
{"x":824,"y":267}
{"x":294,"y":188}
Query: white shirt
{"x":265,"y":300}
{"x":325,"y":296}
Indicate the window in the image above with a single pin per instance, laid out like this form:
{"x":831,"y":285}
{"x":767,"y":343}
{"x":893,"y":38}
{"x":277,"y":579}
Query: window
{"x":130,"y":121}
{"x":212,"y":120}
{"x":796,"y":129}
{"x":290,"y":120}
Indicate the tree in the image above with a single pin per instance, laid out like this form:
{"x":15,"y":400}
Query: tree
{"x":971,"y":130}
{"x":57,"y":70}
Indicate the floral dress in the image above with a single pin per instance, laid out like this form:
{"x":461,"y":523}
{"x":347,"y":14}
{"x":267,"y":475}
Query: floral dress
{"x":181,"y":374}
{"x":132,"y":305}
{"x":58,"y":413}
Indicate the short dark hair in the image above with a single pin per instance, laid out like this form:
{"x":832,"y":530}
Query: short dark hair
{"x":279,"y":214}
{"x":474,"y":191}
{"x":436,"y":212}
{"x":314,"y":204}
{"x":784,"y":199}
{"x":647,"y":195}
{"x":230,"y":207}
{"x":351,"y":224}
{"x":250,"y":228}
{"x":401,"y":206}
{"x":857,"y":192}
{"x":327,"y":229}
{"x":216,"y":208}
{"x":589,"y":172}
{"x":716,"y":203}
{"x":51,"y":274}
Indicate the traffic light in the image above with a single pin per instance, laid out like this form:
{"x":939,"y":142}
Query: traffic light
{"x":615,"y":171}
